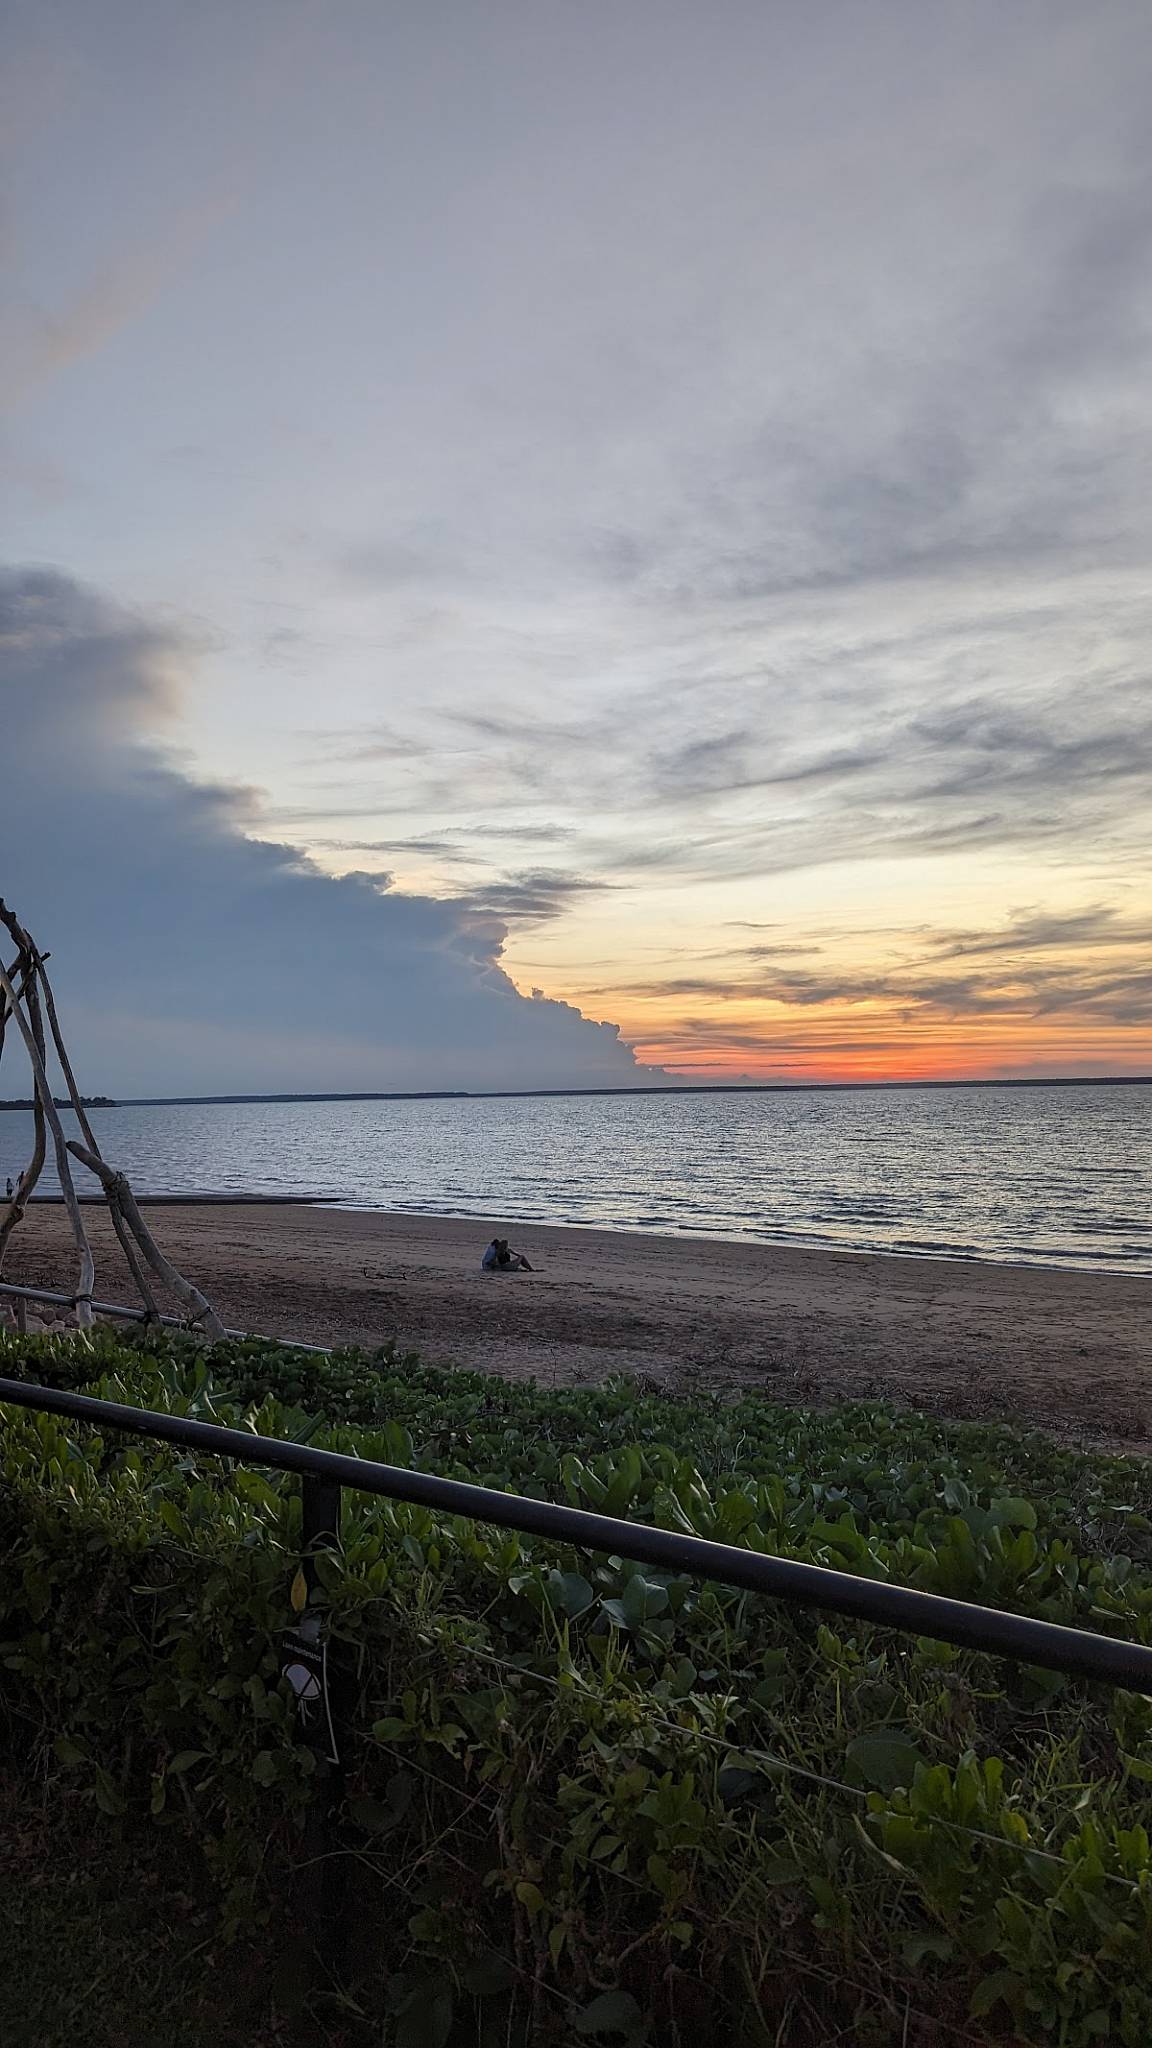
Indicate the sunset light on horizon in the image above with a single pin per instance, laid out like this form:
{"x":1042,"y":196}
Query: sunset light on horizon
{"x":578,"y":504}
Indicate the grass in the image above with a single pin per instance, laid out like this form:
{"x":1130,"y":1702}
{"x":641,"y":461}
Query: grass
{"x":111,"y":1938}
{"x":585,"y":1801}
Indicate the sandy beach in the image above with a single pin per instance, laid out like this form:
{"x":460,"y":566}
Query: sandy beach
{"x":1072,"y":1351}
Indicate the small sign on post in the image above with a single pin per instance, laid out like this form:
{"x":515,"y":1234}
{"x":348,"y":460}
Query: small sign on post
{"x":304,"y":1663}
{"x":304,"y":1647}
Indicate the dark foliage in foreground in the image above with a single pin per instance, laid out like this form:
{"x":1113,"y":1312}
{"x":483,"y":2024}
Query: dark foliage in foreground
{"x":588,"y":1800}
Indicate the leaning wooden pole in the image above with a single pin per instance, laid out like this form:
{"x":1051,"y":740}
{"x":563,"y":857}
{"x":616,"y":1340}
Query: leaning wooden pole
{"x":26,"y":996}
{"x":86,"y":1276}
{"x":116,"y":1188}
{"x":30,"y":1173}
{"x":119,"y":1223}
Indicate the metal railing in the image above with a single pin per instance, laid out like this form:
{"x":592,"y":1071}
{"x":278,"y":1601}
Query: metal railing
{"x":1077,"y":1652}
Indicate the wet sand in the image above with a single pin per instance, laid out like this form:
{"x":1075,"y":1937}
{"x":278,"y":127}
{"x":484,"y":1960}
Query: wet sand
{"x":1070,"y":1351}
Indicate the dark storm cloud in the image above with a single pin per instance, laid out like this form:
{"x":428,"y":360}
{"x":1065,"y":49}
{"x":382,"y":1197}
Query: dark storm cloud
{"x":190,"y":956}
{"x":442,"y":849}
{"x":533,"y":896}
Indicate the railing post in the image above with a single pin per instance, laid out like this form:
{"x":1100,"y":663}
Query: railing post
{"x":306,"y":1665}
{"x":321,"y":1502}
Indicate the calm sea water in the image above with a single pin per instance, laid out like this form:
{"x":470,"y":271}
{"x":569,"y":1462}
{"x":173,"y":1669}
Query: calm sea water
{"x":1040,"y":1176}
{"x":1051,"y":1175}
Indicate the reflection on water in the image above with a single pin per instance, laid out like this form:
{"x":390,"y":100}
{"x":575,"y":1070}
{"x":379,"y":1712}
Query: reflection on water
{"x":1051,"y":1175}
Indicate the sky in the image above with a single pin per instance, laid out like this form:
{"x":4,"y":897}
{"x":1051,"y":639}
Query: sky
{"x":580,"y":545}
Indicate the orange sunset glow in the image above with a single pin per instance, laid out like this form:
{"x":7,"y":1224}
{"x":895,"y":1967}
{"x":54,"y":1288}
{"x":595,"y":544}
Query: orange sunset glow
{"x":618,"y":667}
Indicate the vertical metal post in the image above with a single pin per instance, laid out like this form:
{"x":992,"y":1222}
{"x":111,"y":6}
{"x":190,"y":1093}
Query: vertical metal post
{"x":307,"y":1667}
{"x":320,"y":1499}
{"x":21,"y":1315}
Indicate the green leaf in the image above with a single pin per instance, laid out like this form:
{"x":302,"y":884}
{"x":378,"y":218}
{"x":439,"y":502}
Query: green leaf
{"x":736,"y":1782}
{"x":1012,"y":1513}
{"x":919,"y":1946}
{"x":1003,"y":1986}
{"x":373,"y":1816}
{"x":683,"y":1677}
{"x":884,"y":1759}
{"x":487,"y":1977}
{"x":618,"y":1493}
{"x":425,"y":2018}
{"x":642,"y":1600}
{"x":172,"y":1519}
{"x":109,"y":1798}
{"x":571,"y":1592}
{"x":614,"y":2012}
{"x":184,"y":1760}
{"x":69,"y":1752}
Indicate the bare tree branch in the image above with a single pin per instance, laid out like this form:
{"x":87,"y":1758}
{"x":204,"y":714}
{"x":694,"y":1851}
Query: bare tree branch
{"x":31,"y":1173}
{"x":118,"y":1222}
{"x":26,"y":995}
{"x":86,"y":1277}
{"x":116,"y":1188}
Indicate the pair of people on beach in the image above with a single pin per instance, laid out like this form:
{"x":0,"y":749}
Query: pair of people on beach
{"x":500,"y":1258}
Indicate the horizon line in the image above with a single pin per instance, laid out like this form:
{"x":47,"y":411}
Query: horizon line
{"x":657,"y":1088}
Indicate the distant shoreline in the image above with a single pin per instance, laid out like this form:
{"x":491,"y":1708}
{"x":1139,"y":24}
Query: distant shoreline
{"x":62,"y":1102}
{"x":662,"y":1088}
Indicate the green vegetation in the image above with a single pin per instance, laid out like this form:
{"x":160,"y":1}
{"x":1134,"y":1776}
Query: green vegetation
{"x":587,"y":1800}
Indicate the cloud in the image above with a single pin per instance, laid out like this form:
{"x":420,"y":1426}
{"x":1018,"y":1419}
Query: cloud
{"x":1090,"y":964}
{"x":191,"y":957}
{"x":921,"y":720}
{"x":690,"y":505}
{"x":441,"y":849}
{"x":1101,"y":926}
{"x":533,"y":896}
{"x":1120,"y":997}
{"x":859,"y":573}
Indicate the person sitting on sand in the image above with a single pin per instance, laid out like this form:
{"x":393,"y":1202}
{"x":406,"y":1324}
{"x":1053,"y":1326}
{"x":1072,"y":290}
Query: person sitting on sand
{"x":499,"y":1258}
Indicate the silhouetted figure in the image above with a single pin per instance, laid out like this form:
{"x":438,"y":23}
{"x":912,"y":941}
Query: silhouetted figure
{"x":500,"y":1258}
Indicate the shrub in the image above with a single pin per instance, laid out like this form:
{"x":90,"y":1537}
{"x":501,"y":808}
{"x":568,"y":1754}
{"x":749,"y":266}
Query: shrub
{"x":585,"y":1799}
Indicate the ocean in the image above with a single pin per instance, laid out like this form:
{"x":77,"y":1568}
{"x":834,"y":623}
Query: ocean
{"x":1047,"y":1175}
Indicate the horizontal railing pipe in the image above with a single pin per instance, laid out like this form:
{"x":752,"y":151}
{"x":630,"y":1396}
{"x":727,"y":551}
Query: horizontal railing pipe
{"x":1075,"y":1651}
{"x":141,"y":1315}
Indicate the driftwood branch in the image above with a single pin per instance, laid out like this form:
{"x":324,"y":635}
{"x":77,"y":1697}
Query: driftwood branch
{"x":34,"y":1045}
{"x":13,"y":971}
{"x":26,"y":995}
{"x":31,"y":1173}
{"x":116,"y":1188}
{"x":119,"y":1223}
